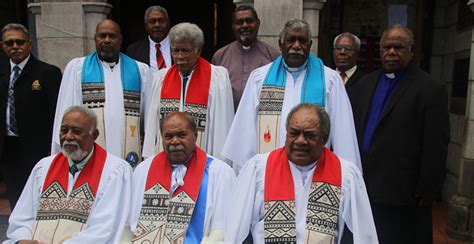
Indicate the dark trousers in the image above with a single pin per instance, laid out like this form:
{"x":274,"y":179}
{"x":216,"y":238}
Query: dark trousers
{"x":15,"y":170}
{"x":405,"y":224}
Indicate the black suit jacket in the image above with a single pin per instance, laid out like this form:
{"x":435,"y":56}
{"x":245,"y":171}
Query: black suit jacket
{"x":140,"y":51}
{"x":406,"y":159}
{"x":355,"y":77}
{"x":36,"y":92}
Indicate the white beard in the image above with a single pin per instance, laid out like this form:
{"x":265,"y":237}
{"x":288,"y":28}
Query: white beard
{"x":75,"y":155}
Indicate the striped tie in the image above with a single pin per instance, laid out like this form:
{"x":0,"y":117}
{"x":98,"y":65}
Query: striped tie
{"x":11,"y":102}
{"x":160,"y":61}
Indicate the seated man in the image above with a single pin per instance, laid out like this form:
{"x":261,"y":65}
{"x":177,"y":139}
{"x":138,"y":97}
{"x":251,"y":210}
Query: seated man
{"x":302,"y":192}
{"x":181,"y":194}
{"x":80,"y":195}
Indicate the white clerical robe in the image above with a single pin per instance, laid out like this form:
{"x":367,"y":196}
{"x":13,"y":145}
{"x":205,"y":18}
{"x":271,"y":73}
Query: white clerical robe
{"x":220,"y":183}
{"x":242,"y":141}
{"x":113,"y":121}
{"x":220,"y":113}
{"x":246,"y":205}
{"x":108,"y":214}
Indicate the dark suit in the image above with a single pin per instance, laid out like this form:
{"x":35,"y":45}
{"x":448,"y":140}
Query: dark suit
{"x":36,"y":92}
{"x":406,"y":159}
{"x":140,"y":51}
{"x":355,"y":77}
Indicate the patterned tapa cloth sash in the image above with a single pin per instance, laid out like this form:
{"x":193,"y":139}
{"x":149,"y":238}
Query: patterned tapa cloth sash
{"x":60,"y":216}
{"x":163,"y":220}
{"x":93,"y":96}
{"x":273,"y":93}
{"x":197,"y":95}
{"x":323,"y":201}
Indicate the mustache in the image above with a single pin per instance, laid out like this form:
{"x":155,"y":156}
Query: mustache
{"x":172,"y":148}
{"x":298,"y":52}
{"x":70,"y":143}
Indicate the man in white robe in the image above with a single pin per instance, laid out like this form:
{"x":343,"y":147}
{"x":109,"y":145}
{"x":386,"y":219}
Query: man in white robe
{"x":327,"y":191}
{"x":124,"y":82}
{"x":295,"y":77}
{"x":80,"y":195}
{"x":192,"y":85}
{"x":162,"y":180}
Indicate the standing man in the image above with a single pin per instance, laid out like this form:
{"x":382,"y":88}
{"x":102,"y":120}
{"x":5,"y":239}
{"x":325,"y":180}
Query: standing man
{"x":346,"y":49}
{"x":402,"y":123}
{"x":155,"y":49}
{"x":113,"y":85}
{"x":182,"y":176}
{"x":80,"y":195}
{"x":191,"y":85}
{"x":272,"y":90}
{"x":246,"y":53}
{"x":28,"y":93}
{"x":302,"y":192}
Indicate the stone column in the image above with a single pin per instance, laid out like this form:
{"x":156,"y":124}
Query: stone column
{"x":461,"y":205}
{"x":65,"y":29}
{"x":311,"y":9}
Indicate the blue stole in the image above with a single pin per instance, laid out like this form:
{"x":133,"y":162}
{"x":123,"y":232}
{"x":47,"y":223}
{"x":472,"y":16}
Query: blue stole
{"x":92,"y":72}
{"x":195,"y":231}
{"x":314,"y":85}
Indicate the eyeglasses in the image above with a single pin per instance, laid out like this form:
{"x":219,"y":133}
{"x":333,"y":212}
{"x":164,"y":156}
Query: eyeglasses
{"x":10,"y":43}
{"x":184,"y":51}
{"x":397,"y":48}
{"x":340,"y":48}
{"x":246,"y":20}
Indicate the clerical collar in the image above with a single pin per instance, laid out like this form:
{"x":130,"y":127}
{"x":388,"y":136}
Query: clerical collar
{"x":83,"y":162}
{"x":295,"y":72}
{"x":305,"y":168}
{"x":246,"y":47}
{"x":295,"y":69}
{"x":396,"y":74}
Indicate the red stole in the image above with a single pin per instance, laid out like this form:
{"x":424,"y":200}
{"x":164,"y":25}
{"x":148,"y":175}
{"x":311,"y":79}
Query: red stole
{"x":279,"y":198}
{"x":160,"y":172}
{"x":61,"y":216}
{"x":91,"y":173}
{"x":164,"y":219}
{"x":198,"y":88}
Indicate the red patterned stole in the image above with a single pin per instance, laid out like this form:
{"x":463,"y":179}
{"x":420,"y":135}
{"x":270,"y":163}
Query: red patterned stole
{"x":196,"y":100}
{"x":60,"y":216}
{"x":165,"y":220}
{"x":323,"y":203}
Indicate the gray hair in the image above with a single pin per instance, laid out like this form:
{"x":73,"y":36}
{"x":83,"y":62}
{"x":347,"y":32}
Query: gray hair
{"x":324,"y":122}
{"x":398,"y":26}
{"x":92,"y":116}
{"x":187,"y":32}
{"x":191,"y":122}
{"x":155,"y":8}
{"x":15,"y":26}
{"x":295,"y":24}
{"x":348,"y":35}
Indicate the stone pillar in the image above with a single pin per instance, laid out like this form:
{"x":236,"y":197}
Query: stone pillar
{"x":461,"y":205}
{"x":311,"y":9}
{"x":65,"y":29}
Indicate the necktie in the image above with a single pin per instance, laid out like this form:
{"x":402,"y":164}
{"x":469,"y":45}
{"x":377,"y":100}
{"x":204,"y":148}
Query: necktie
{"x":11,"y":101}
{"x":343,"y":76}
{"x":185,"y":81}
{"x":160,"y":61}
{"x":73,"y":169}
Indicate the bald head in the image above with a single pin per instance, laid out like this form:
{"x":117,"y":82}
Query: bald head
{"x":108,"y":39}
